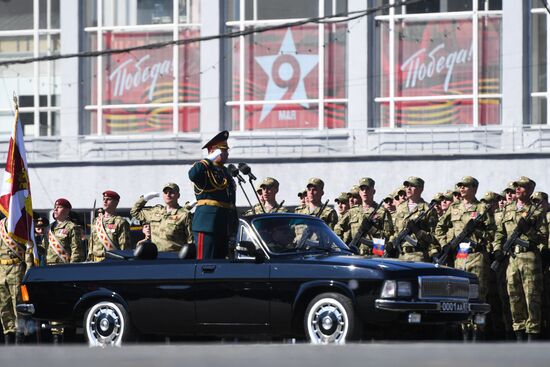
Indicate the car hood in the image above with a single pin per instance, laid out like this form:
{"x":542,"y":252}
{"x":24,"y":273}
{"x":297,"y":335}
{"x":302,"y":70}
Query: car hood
{"x":387,"y":265}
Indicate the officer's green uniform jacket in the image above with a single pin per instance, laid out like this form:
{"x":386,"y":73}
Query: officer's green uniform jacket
{"x":118,"y":231}
{"x":170,"y":230}
{"x":69,"y":236}
{"x":215,"y":192}
{"x":427,"y":242}
{"x":537,"y":235}
{"x":329,"y":215}
{"x":257,"y":209}
{"x":348,"y":225}
{"x":453,"y":221}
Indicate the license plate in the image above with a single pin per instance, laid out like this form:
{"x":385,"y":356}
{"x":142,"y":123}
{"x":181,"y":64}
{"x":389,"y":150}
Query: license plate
{"x":454,"y":307}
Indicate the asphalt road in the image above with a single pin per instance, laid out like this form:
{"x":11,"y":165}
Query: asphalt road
{"x":284,"y":355}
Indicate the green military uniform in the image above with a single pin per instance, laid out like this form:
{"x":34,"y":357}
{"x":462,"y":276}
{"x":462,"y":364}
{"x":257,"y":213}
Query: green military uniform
{"x":108,"y":233}
{"x":12,"y":270}
{"x":328,"y":215}
{"x":350,"y":223}
{"x":472,"y":255}
{"x":64,"y":243}
{"x":257,"y":209}
{"x":170,"y":228}
{"x":524,"y":272}
{"x":427,"y":244}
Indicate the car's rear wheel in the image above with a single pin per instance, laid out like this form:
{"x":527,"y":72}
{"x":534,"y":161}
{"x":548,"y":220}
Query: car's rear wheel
{"x":329,"y":319}
{"x":107,"y":324}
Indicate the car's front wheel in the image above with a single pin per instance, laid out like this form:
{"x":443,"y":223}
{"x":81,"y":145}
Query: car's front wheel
{"x":329,"y":319}
{"x":106,"y":324}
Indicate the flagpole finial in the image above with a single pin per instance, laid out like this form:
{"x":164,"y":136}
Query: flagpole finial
{"x":15,"y":100}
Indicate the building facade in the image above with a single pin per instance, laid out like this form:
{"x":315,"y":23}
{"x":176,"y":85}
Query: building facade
{"x":338,"y":89}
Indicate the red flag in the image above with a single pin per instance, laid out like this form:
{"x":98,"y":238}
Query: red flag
{"x":15,"y":197}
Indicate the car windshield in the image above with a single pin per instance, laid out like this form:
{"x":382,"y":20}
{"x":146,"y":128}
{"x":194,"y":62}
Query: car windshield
{"x":289,"y":234}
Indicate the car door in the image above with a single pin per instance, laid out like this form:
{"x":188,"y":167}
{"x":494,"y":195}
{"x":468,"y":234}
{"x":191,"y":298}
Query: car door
{"x":233,"y":295}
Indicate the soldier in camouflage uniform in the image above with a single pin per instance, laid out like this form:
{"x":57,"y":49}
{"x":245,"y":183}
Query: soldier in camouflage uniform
{"x":109,"y":231}
{"x":354,"y":197}
{"x":269,"y":188}
{"x":382,"y":228}
{"x":524,"y":273}
{"x":12,"y":270}
{"x":342,"y":204}
{"x":409,"y":210}
{"x":315,"y":187}
{"x":438,"y":198}
{"x":170,"y":224}
{"x":471,"y":255}
{"x":542,"y":197}
{"x":510,"y":192}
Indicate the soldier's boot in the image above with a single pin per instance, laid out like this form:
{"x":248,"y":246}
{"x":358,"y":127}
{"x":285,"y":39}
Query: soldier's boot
{"x":520,"y":335}
{"x":9,"y":338}
{"x":532,"y":337}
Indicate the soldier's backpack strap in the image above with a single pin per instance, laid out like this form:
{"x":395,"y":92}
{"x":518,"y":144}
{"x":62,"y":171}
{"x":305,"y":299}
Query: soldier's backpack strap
{"x":102,"y":234}
{"x":14,"y":246}
{"x":57,"y":248}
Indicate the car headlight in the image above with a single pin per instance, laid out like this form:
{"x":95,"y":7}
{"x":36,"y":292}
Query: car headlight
{"x":392,"y":289}
{"x":473,"y":291}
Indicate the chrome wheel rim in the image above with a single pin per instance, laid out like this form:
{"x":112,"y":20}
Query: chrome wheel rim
{"x":105,"y":325}
{"x":327,"y":322}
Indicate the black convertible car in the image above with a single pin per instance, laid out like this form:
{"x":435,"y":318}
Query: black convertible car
{"x":288,"y":276}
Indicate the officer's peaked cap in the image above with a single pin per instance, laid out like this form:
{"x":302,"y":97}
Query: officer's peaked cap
{"x":218,"y":141}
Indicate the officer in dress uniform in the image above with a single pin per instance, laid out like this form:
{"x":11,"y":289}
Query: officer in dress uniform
{"x":215,"y":220}
{"x":170,"y":223}
{"x":109,"y":231}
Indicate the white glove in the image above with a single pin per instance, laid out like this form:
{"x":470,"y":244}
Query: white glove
{"x":215,"y":154}
{"x":151,"y":195}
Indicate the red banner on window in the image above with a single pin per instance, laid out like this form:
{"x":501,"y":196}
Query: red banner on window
{"x":146,"y":77}
{"x":283,"y":65}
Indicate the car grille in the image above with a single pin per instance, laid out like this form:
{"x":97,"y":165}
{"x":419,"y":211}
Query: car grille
{"x":430,"y":287}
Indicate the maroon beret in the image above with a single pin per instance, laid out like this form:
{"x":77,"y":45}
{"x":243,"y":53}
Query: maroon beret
{"x":111,"y":194}
{"x":63,"y":202}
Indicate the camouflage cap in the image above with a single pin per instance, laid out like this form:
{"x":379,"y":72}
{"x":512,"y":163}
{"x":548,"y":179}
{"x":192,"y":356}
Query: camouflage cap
{"x":448,"y":195}
{"x":171,"y":185}
{"x":539,"y":196}
{"x":354,"y":191}
{"x":399,"y":191}
{"x":468,"y":181}
{"x":317,"y":182}
{"x":302,"y":194}
{"x":489,"y":196}
{"x":343,"y":197}
{"x":509,"y":187}
{"x":524,"y":182}
{"x":414,"y":181}
{"x":438,"y":196}
{"x":269,"y":182}
{"x":258,"y":187}
{"x":366,"y":181}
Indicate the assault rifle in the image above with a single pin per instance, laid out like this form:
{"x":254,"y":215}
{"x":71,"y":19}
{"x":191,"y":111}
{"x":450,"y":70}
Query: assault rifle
{"x":322,"y":208}
{"x":461,"y":237}
{"x":405,"y":234}
{"x":366,"y":224}
{"x":513,"y":240}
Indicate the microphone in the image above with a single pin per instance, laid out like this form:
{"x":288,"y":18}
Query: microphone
{"x":233,"y":171}
{"x":245,"y":169}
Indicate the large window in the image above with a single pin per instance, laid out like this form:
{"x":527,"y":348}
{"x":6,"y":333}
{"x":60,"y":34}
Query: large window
{"x":539,"y":68}
{"x":142,"y":91}
{"x":439,"y":63}
{"x":37,"y":84}
{"x":293,"y":77}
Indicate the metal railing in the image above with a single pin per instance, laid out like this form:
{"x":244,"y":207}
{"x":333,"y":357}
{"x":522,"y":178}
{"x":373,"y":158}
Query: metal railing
{"x":291,"y":143}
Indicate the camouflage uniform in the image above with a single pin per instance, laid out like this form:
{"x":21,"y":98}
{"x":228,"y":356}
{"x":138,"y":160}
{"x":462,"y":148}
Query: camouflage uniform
{"x":473,"y":259}
{"x":427,"y":244}
{"x":350,"y":223}
{"x":12,"y":269}
{"x":118,"y":231}
{"x":257,"y":209}
{"x":169,"y":230}
{"x":524,"y":272}
{"x":69,"y":237}
{"x":328,"y":215}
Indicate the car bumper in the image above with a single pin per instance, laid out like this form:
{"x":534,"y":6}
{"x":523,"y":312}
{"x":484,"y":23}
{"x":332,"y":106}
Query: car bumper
{"x":429,"y":306}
